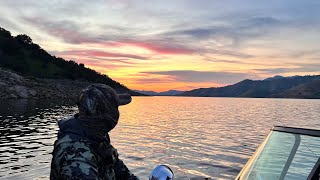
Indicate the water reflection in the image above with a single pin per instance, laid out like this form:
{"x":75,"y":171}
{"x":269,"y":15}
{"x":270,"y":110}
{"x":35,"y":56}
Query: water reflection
{"x":196,"y":137}
{"x":27,"y":132}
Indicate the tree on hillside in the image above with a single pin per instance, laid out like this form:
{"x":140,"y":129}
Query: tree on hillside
{"x":24,"y":38}
{"x":4,"y":32}
{"x":27,"y":58}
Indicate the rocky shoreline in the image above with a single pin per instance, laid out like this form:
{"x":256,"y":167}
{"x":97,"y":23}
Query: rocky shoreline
{"x":14,"y":86}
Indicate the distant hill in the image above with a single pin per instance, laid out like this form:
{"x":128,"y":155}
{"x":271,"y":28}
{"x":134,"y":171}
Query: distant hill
{"x":21,"y":55}
{"x":170,"y":93}
{"x":149,"y":93}
{"x":165,"y":93}
{"x":280,"y":87}
{"x":273,"y":78}
{"x":309,"y":90}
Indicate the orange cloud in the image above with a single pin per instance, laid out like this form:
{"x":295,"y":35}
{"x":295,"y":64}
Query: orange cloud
{"x":165,"y":86}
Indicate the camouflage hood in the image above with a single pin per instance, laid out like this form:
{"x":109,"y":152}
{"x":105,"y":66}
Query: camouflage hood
{"x":98,"y":108}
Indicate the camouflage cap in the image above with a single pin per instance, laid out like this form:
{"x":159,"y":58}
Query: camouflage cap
{"x":98,"y":99}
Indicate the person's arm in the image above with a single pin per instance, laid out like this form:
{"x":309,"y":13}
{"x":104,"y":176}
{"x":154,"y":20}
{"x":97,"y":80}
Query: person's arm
{"x":73,"y":160}
{"x":122,"y":172}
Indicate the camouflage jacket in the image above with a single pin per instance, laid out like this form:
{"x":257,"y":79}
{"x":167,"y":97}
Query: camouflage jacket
{"x":78,"y":155}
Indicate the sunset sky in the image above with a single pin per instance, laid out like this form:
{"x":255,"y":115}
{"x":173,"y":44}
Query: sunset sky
{"x":175,"y":44}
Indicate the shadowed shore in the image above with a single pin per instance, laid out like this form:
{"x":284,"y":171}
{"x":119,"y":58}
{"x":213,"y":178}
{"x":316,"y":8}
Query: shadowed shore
{"x":14,"y":86}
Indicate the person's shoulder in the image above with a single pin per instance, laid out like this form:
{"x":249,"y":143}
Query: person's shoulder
{"x":70,"y":148}
{"x":63,"y":121}
{"x":70,"y":135}
{"x":71,"y":145}
{"x":71,"y":126}
{"x":74,"y":158}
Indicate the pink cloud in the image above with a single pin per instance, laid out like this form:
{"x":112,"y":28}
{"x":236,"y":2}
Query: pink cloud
{"x":118,"y":60}
{"x":100,"y":66}
{"x":71,"y":33}
{"x":161,"y":48}
{"x":104,"y":54}
{"x":63,"y":29}
{"x":156,"y":47}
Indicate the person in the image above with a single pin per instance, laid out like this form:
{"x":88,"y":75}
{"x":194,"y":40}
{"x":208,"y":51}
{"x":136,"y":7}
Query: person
{"x":83,"y":149}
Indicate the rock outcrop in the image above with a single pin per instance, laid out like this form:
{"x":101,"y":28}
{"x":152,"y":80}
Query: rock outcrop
{"x":14,"y":86}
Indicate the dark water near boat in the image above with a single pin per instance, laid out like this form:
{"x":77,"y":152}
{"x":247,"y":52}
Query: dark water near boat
{"x":196,"y":137}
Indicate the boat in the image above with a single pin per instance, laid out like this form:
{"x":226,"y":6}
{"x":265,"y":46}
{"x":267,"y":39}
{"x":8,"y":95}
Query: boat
{"x":286,"y":153}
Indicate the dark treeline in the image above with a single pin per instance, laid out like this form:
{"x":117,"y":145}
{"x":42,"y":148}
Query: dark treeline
{"x":23,"y":56}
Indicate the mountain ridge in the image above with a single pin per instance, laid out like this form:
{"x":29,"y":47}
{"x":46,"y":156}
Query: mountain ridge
{"x":278,"y":87}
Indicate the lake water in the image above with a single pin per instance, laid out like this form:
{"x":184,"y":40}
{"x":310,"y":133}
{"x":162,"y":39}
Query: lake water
{"x":196,"y":137}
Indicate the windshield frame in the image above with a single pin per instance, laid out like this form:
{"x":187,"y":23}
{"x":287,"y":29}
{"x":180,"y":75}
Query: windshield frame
{"x":292,"y":130}
{"x":301,"y":131}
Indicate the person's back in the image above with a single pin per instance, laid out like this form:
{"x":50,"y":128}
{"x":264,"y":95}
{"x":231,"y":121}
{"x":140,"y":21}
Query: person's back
{"x":83,"y":149}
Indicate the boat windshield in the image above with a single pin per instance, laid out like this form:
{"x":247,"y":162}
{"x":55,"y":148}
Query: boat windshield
{"x":286,"y":153}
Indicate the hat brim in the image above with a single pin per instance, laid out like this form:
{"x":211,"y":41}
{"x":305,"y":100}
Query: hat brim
{"x":124,"y":99}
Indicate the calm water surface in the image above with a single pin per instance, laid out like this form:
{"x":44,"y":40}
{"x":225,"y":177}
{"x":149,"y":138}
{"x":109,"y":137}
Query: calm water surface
{"x":196,"y":137}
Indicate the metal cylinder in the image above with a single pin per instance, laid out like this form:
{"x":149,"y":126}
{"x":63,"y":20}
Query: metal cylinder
{"x":161,"y":172}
